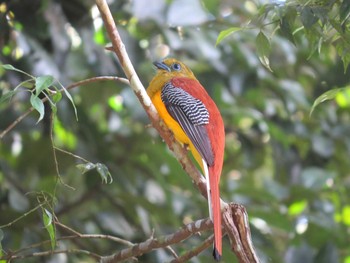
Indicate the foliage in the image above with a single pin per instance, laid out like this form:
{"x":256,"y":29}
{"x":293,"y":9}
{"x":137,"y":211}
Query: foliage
{"x":270,"y":66}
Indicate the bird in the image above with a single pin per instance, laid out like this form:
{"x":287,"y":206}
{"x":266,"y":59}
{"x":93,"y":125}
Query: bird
{"x":190,"y":113}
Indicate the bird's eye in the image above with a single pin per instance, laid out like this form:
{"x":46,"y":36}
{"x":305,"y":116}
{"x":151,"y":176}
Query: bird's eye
{"x":176,"y":66}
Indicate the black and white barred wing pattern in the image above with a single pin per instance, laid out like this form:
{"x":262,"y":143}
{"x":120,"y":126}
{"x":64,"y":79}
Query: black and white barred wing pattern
{"x":192,"y":115}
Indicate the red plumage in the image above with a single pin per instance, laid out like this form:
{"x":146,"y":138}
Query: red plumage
{"x":216,"y":134}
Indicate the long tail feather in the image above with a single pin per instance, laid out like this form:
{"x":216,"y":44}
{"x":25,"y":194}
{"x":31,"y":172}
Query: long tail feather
{"x":214,"y":209}
{"x":215,"y":199}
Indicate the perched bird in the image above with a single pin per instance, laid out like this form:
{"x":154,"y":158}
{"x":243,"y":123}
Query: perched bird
{"x":195,"y":120}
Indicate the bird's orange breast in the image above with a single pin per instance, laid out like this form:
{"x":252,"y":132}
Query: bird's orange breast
{"x":169,"y":121}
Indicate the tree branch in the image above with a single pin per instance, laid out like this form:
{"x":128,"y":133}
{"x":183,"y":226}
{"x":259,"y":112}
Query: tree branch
{"x":160,"y":242}
{"x":10,"y":256}
{"x":194,"y":252}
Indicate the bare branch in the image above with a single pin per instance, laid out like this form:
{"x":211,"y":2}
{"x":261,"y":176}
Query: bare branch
{"x":235,"y":220}
{"x":22,"y":216}
{"x":160,"y":242}
{"x":196,"y":251}
{"x":11,"y":257}
{"x":79,"y":235}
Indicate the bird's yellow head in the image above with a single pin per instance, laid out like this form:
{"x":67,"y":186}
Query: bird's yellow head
{"x":168,"y":69}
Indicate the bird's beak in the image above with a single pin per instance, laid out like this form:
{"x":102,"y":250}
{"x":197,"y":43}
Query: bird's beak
{"x":161,"y":65}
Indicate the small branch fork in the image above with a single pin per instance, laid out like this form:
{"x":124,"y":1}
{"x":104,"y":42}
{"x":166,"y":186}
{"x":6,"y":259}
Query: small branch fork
{"x":235,"y":218}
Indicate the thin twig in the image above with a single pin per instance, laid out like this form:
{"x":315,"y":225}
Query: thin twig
{"x":67,"y":228}
{"x":76,"y":235}
{"x":15,"y":122}
{"x":71,"y":154}
{"x":22,"y":216}
{"x":59,"y":178}
{"x":194,"y":252}
{"x":11,"y":257}
{"x":109,"y":237}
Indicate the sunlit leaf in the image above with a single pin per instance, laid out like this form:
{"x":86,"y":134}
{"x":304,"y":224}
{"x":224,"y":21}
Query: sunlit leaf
{"x":57,"y":97}
{"x":43,"y":83}
{"x":63,"y":135}
{"x":104,"y":172}
{"x":38,"y":105}
{"x":328,"y":95}
{"x":116,"y":103}
{"x":297,"y":207}
{"x":263,"y":49}
{"x":50,"y":227}
{"x":343,"y":98}
{"x":346,"y":215}
{"x":99,"y":37}
{"x":225,"y":33}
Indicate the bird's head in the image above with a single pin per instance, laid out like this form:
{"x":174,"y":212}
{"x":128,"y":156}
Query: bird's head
{"x":172,"y":68}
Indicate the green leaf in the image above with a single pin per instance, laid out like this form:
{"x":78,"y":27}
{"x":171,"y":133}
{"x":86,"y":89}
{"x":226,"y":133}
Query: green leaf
{"x":297,"y":207}
{"x":85,"y":167}
{"x":38,"y":105}
{"x":7,"y":96}
{"x":104,"y":172}
{"x":70,"y":98}
{"x":328,"y":95}
{"x":43,"y":83}
{"x":343,"y":98}
{"x":346,"y":215}
{"x":29,"y":84}
{"x":57,"y":97}
{"x":47,"y":218}
{"x":344,"y":11}
{"x":116,"y":103}
{"x":308,"y":17}
{"x":225,"y":33}
{"x":263,"y":49}
{"x":10,"y":67}
{"x":286,"y":29}
{"x":343,"y":51}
